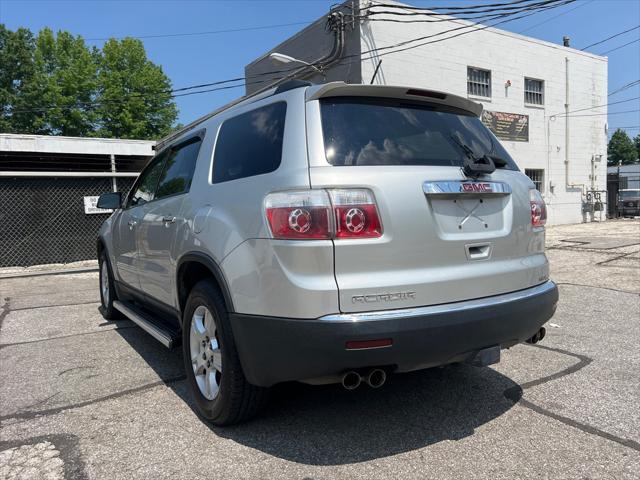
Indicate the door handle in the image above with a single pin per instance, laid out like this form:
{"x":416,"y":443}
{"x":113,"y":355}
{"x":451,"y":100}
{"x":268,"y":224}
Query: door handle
{"x":132,"y":223}
{"x":167,"y":220}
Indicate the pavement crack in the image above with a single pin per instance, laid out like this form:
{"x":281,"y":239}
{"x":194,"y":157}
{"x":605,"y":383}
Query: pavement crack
{"x":52,"y":306}
{"x":597,"y":286}
{"x":581,"y":426}
{"x":82,"y":367}
{"x":40,"y":402}
{"x":619,"y":257}
{"x":31,"y":414}
{"x":515,"y":395}
{"x":4,"y":311}
{"x":4,"y":345}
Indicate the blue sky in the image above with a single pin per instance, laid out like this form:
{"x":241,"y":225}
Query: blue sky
{"x":189,"y":60}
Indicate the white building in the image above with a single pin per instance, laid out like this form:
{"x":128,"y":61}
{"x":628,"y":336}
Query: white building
{"x":525,"y":85}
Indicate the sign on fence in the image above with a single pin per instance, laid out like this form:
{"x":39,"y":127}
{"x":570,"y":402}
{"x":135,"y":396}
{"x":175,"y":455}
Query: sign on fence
{"x":90,"y":207}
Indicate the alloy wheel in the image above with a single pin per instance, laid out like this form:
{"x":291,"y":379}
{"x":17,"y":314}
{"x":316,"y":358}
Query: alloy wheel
{"x":206,"y":356}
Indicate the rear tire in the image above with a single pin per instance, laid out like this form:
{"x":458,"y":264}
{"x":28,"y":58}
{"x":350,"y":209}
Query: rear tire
{"x":107,"y":289}
{"x":222,"y":394}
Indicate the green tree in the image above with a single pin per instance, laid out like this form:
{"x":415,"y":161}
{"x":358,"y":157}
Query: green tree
{"x":54,"y":84}
{"x":16,"y":69}
{"x":636,"y":142}
{"x":621,"y":149}
{"x":134,"y":98}
{"x":59,"y":98}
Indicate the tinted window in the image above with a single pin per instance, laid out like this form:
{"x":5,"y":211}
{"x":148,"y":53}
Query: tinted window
{"x":630,"y":194}
{"x":147,"y":182}
{"x":368,"y":131}
{"x":178,"y":170}
{"x":250,"y":144}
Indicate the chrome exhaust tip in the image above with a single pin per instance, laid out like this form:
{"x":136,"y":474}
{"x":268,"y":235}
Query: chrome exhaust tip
{"x":539,"y":335}
{"x":376,"y":378}
{"x":351,"y":380}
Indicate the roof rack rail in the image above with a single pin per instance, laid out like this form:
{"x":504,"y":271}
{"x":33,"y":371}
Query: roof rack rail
{"x":290,"y":85}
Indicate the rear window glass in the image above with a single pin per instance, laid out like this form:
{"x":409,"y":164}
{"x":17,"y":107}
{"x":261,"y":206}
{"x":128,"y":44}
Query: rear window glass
{"x":250,"y":144}
{"x":374,"y":131}
{"x":178,"y":170}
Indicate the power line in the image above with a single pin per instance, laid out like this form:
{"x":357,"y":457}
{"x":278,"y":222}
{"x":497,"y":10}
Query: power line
{"x":467,"y":9}
{"x":621,"y":46}
{"x":210,"y":32}
{"x":596,"y":106}
{"x":625,"y":87}
{"x":601,"y":114}
{"x":612,"y":36}
{"x":548,"y":4}
{"x":556,"y":16}
{"x":555,"y":4}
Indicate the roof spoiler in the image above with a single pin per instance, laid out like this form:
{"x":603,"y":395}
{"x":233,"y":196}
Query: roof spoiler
{"x":341,"y":89}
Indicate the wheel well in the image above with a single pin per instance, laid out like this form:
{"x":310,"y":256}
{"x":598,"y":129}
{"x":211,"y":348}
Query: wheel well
{"x":190,"y":273}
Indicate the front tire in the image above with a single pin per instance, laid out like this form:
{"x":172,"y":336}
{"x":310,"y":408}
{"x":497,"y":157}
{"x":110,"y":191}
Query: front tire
{"x":222,"y":394}
{"x":107,"y":289}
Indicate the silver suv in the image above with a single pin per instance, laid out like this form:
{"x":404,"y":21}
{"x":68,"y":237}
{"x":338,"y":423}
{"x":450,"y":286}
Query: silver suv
{"x":328,"y":234}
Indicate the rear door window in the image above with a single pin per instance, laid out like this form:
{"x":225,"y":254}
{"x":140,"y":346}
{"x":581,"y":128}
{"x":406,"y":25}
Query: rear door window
{"x":378,"y":131}
{"x":250,"y":144}
{"x":178,"y":169}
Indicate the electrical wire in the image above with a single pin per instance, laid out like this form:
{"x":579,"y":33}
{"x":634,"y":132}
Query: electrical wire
{"x":482,"y":27}
{"x":611,"y":37}
{"x":458,"y":10}
{"x":621,"y":46}
{"x":625,"y":87}
{"x":548,"y":4}
{"x":600,"y":114}
{"x":563,"y":114}
{"x":210,"y":32}
{"x":556,"y":16}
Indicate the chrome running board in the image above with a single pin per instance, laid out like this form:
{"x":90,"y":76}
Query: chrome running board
{"x":162,"y":335}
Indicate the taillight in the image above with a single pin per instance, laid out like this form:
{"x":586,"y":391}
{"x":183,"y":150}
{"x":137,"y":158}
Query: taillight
{"x":323,"y":214}
{"x":538,"y":209}
{"x":356,"y":214}
{"x":299,"y":214}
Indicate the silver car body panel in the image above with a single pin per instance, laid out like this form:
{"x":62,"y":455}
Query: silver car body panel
{"x":423,"y":257}
{"x":444,"y":308}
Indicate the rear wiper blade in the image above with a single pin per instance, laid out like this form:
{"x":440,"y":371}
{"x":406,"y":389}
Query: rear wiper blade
{"x":478,"y":165}
{"x":499,"y":162}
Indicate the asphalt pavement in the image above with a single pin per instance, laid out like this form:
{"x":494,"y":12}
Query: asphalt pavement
{"x":81,"y":397}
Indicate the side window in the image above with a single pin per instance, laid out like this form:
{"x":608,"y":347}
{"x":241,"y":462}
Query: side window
{"x":250,"y":144}
{"x":178,"y":169}
{"x":147,"y":182}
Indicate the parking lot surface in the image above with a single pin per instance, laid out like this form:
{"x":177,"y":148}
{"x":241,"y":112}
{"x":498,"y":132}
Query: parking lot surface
{"x":81,"y":397}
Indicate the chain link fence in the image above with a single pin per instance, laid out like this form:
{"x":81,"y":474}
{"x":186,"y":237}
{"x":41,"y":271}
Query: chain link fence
{"x":44,"y":221}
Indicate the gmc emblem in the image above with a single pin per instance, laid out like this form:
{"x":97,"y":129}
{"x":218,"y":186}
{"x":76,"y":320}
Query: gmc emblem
{"x":476,"y":187}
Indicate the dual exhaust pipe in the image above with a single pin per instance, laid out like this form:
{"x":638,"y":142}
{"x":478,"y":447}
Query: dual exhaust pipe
{"x":538,"y":336}
{"x":375,"y":378}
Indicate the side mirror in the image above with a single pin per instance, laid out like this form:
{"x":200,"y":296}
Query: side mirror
{"x":110,"y":201}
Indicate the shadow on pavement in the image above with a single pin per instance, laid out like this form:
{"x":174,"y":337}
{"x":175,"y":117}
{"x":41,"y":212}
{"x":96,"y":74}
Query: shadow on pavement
{"x":327,"y":425}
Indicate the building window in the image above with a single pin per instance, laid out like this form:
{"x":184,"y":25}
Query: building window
{"x":536,"y":176}
{"x":478,"y":82}
{"x":533,"y":91}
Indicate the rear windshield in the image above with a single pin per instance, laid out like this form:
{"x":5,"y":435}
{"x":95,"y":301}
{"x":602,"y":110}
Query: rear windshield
{"x":375,"y":131}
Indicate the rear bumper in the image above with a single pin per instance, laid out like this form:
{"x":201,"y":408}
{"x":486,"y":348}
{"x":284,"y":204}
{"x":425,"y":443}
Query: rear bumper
{"x":274,"y":350}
